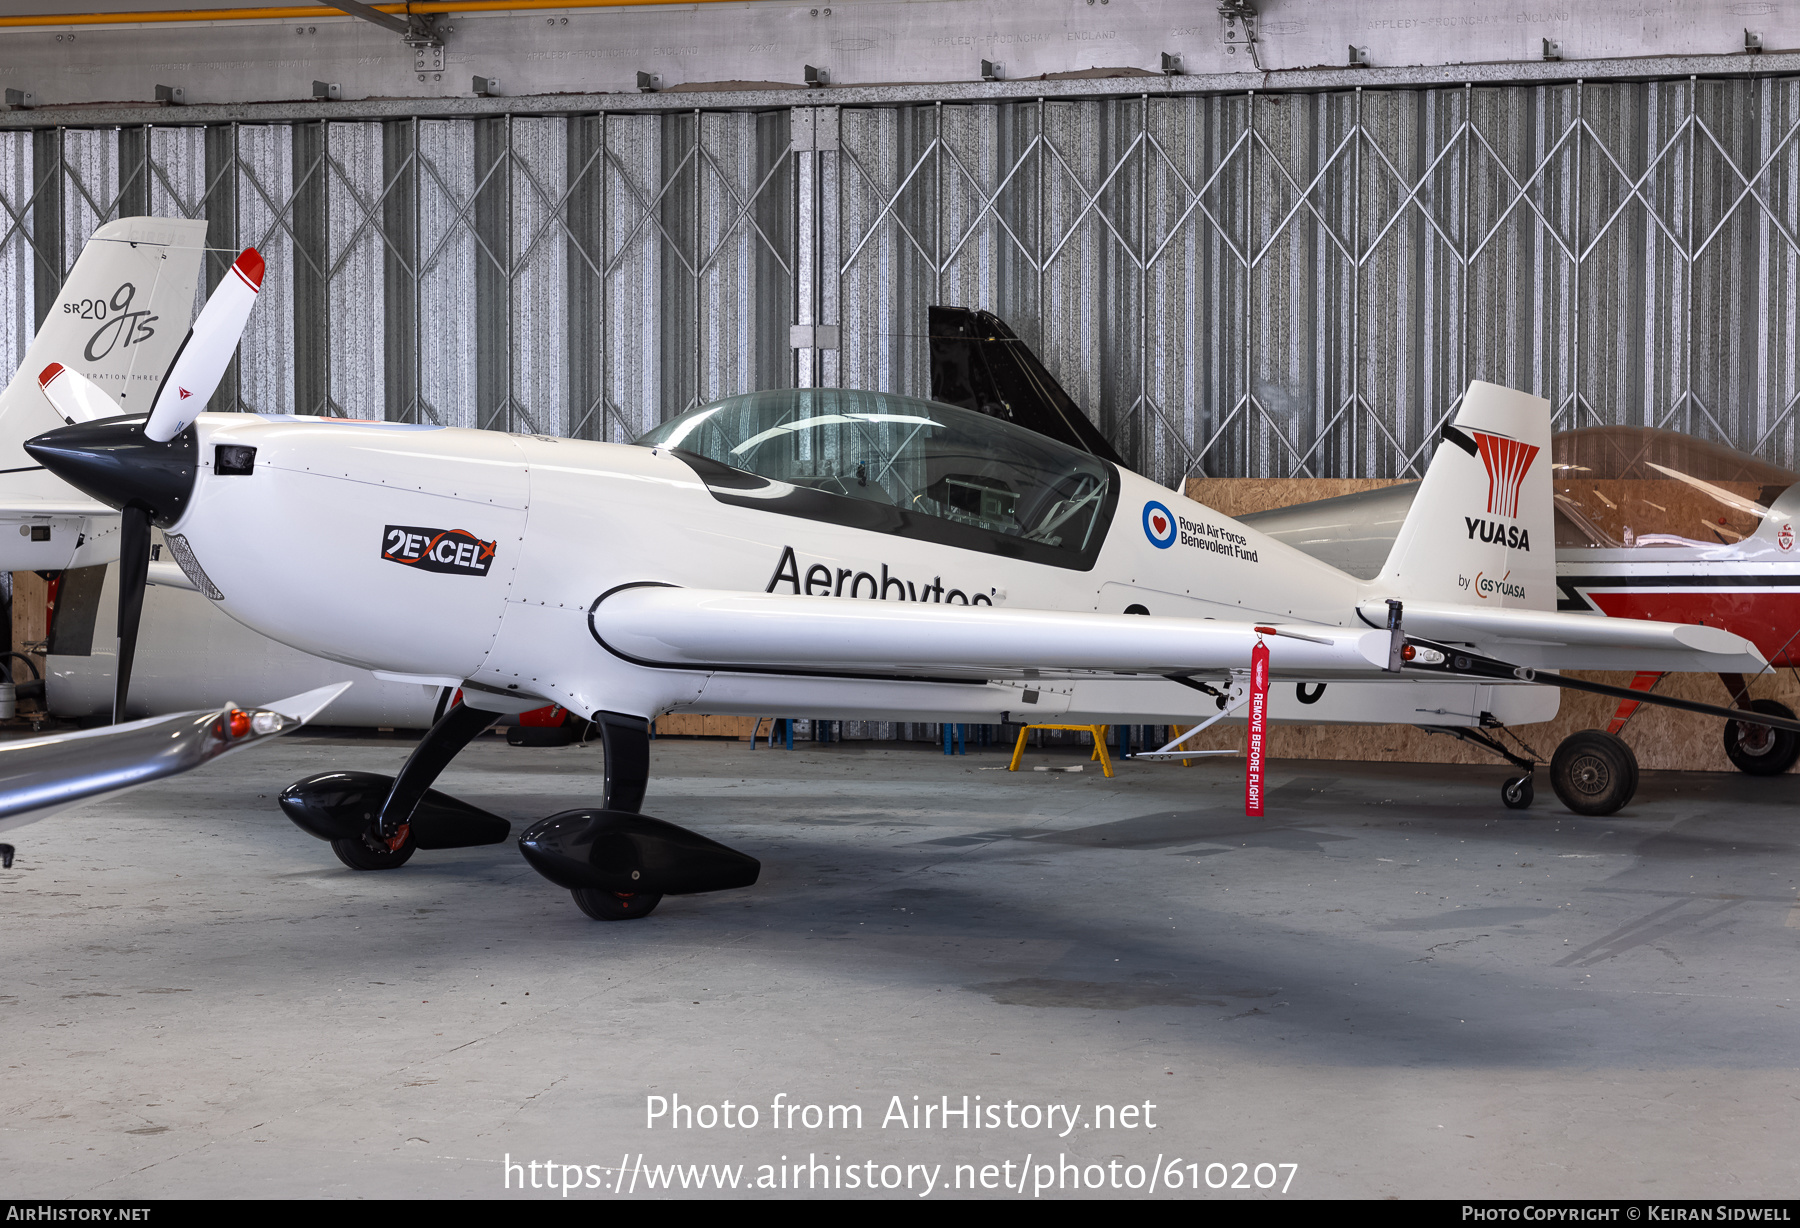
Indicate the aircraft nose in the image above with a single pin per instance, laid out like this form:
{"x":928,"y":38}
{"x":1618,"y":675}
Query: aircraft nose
{"x":112,"y":461}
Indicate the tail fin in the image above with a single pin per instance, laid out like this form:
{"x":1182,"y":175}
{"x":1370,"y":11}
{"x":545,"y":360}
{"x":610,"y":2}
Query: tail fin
{"x":1480,"y":530}
{"x":117,"y":320}
{"x":977,"y":362}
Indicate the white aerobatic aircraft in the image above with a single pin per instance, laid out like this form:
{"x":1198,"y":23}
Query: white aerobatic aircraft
{"x":837,"y":553}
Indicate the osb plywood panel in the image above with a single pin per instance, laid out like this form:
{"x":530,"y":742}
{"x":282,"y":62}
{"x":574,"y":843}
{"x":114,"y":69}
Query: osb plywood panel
{"x":1241,"y":496}
{"x":30,"y":618}
{"x":1663,"y":739}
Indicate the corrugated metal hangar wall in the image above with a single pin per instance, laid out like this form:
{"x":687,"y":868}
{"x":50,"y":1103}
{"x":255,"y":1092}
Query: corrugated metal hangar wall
{"x":1234,"y":283}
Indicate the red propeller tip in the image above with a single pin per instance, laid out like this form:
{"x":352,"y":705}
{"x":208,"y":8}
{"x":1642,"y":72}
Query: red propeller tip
{"x":49,"y":373}
{"x":249,"y":266}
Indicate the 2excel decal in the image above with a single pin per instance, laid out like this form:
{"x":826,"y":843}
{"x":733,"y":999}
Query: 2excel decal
{"x":1159,"y":525}
{"x":455,"y":552}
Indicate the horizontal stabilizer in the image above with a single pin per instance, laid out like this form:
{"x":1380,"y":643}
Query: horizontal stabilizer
{"x":1546,"y":639}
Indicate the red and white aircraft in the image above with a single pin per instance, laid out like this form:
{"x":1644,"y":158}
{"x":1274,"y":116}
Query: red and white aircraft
{"x":1650,"y":524}
{"x":832,"y":552}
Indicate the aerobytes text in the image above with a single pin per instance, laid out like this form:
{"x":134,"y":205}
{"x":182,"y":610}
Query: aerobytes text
{"x":455,"y":552}
{"x":1493,"y":532}
{"x":818,"y":580}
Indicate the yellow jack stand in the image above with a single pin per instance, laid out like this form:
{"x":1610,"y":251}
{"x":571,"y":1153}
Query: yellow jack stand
{"x":1098,"y":731}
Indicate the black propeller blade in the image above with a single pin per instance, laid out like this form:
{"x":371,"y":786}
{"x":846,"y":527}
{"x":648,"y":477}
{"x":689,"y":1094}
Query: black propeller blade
{"x":134,"y":570}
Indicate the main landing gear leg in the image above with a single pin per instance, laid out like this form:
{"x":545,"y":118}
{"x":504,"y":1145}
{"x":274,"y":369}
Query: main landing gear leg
{"x":453,"y":731}
{"x":618,"y":863}
{"x":374,"y":822}
{"x":626,"y":741}
{"x":1518,"y":791}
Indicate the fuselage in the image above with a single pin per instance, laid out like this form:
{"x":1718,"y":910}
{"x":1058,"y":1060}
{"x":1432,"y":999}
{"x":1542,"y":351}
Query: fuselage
{"x":447,"y":554}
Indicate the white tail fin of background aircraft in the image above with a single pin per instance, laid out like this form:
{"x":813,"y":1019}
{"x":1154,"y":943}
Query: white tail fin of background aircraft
{"x":1480,"y":531}
{"x":117,"y":320}
{"x":116,"y":325}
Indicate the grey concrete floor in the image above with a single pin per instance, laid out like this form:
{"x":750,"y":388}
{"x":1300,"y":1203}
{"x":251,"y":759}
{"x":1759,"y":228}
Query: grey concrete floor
{"x":1389,"y":983}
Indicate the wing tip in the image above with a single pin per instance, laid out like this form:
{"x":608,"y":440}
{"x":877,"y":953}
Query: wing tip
{"x":249,"y":265}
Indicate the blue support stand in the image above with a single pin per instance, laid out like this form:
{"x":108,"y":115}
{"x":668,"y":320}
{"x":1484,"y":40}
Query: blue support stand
{"x":954,"y":732}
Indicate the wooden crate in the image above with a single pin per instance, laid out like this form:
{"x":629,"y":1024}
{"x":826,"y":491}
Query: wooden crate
{"x":696,"y":725}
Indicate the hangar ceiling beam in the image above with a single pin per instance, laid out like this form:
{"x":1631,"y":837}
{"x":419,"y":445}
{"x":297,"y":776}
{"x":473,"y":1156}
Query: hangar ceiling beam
{"x":290,"y":12}
{"x":386,"y":21}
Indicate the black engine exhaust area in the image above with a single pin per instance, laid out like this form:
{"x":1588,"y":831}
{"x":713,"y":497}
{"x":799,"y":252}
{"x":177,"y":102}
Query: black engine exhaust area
{"x":341,"y":805}
{"x":629,"y":854}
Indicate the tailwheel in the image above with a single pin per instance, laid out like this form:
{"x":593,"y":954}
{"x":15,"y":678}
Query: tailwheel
{"x":1758,"y":749}
{"x":603,"y":905}
{"x":359,"y":856}
{"x":1594,"y":772}
{"x":1517,"y":793}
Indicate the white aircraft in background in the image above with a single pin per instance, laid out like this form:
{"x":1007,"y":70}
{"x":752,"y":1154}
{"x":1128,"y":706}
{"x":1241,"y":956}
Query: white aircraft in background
{"x":836,"y":553}
{"x":119,"y":321}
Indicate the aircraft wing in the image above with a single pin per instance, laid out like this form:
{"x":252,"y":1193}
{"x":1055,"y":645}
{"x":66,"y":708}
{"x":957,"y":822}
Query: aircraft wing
{"x":686,"y":628}
{"x":697,"y":628}
{"x":1547,"y":639}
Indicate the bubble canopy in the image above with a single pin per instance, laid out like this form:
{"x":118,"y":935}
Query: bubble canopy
{"x":1637,"y":487}
{"x":893,"y":464}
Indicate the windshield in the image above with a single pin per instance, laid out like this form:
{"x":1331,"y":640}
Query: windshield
{"x":902,"y":465}
{"x":1624,"y":487}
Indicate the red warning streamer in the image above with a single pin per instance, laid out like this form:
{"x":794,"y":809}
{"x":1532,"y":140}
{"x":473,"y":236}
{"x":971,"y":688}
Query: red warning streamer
{"x":1259,"y":713}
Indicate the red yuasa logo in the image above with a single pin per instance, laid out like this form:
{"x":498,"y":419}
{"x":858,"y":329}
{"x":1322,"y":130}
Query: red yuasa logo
{"x":1507,"y":461}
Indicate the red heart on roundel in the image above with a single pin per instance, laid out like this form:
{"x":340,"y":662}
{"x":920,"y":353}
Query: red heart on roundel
{"x":1161,"y":526}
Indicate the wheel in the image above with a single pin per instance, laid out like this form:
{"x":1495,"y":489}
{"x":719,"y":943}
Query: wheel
{"x":1594,"y":772}
{"x":615,"y":905}
{"x":1517,"y":793}
{"x":1758,"y":749}
{"x":359,"y":856}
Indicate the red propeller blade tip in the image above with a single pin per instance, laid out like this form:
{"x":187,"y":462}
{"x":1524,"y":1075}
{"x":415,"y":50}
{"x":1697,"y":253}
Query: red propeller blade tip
{"x":49,"y":373}
{"x":249,"y":266}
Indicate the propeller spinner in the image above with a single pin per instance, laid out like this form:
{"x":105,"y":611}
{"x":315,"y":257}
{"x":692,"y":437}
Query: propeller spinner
{"x":145,"y":467}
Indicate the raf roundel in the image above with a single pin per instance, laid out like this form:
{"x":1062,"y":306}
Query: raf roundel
{"x":1159,"y":525}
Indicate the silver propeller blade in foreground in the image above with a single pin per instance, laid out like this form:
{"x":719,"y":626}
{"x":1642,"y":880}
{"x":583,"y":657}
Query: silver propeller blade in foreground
{"x":40,"y":776}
